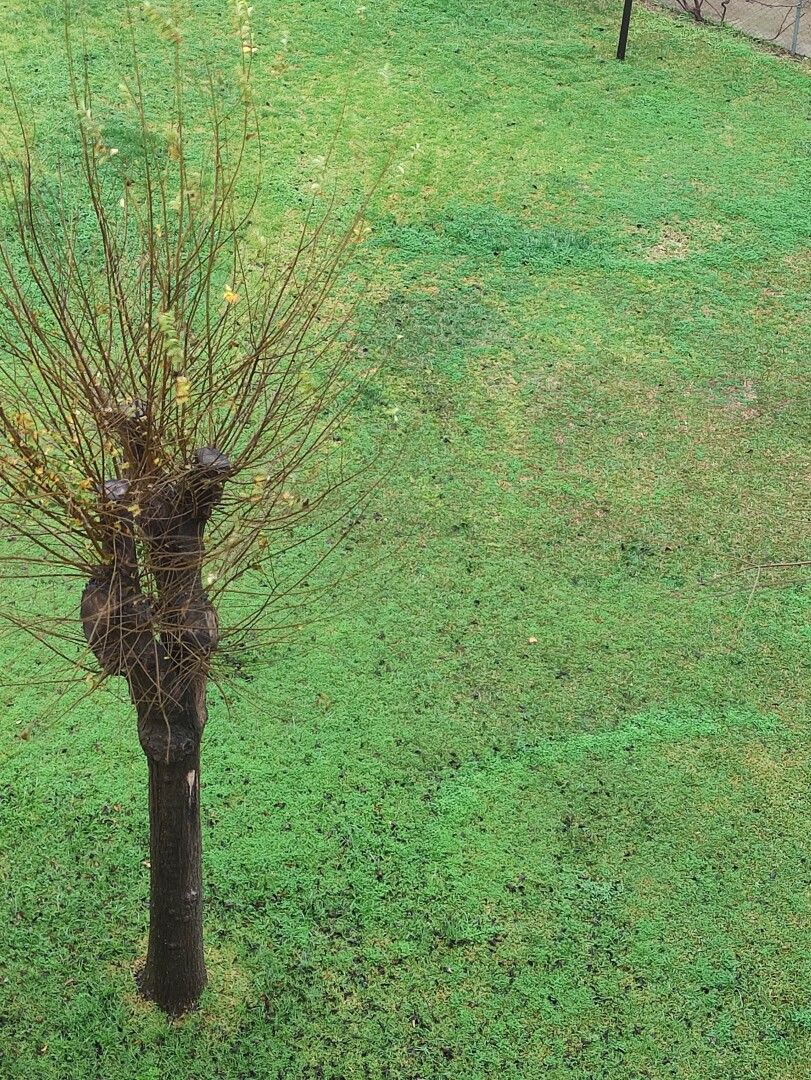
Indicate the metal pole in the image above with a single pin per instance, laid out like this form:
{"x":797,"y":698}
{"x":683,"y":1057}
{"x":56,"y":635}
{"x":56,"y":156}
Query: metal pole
{"x":626,"y":22}
{"x":796,"y":32}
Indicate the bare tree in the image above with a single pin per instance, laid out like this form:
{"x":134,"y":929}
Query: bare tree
{"x":170,"y":394}
{"x":696,"y":8}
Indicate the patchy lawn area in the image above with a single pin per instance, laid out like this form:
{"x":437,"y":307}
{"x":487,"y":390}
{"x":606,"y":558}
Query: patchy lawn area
{"x":532,"y":799}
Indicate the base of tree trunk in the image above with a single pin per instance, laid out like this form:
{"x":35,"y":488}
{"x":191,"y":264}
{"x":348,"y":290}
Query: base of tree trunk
{"x":174,"y":973}
{"x":169,"y":1004}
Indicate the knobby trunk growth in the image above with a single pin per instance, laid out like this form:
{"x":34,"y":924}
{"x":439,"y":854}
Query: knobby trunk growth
{"x":169,"y":389}
{"x":165,"y":660}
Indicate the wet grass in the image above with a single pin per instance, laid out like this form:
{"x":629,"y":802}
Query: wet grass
{"x":532,"y":800}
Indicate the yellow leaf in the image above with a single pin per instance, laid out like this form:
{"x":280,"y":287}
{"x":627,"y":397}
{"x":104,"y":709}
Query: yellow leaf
{"x":182,"y":388}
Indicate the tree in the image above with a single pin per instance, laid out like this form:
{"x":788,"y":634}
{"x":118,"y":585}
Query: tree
{"x":166,"y":385}
{"x":696,"y":8}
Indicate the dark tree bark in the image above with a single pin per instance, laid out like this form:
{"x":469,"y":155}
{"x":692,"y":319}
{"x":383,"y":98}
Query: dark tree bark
{"x":163,"y":648}
{"x":174,"y":974}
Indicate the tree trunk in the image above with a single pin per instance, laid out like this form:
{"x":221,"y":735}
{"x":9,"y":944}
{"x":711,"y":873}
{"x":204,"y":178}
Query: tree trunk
{"x":174,"y":974}
{"x":165,"y":658}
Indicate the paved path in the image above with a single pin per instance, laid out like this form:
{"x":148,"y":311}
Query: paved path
{"x":771,"y":20}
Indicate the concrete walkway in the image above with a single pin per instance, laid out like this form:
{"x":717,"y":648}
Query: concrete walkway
{"x":770,"y":20}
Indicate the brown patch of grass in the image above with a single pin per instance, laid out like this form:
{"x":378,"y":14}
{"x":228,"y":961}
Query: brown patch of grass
{"x":672,"y":244}
{"x":679,"y":240}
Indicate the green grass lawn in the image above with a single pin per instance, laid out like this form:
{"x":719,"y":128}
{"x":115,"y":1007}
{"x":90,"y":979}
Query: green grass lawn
{"x":532,"y":798}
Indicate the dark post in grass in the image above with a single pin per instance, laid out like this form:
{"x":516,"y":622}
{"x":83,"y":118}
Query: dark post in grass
{"x":626,"y":22}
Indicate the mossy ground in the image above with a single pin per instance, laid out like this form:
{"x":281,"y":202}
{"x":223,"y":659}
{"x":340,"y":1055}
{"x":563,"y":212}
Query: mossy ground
{"x":434,"y":848}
